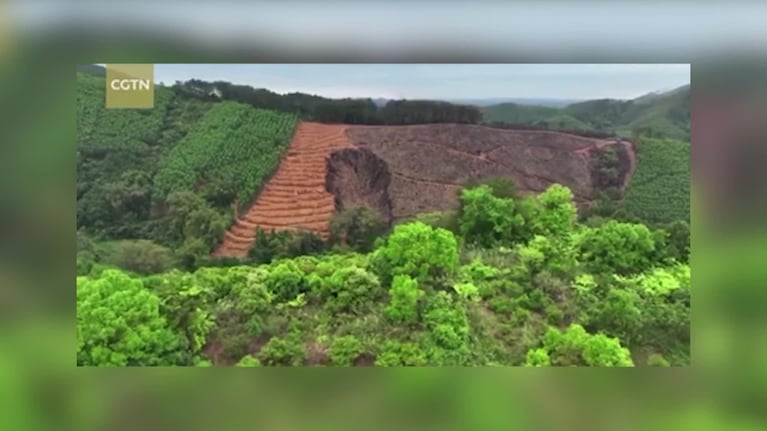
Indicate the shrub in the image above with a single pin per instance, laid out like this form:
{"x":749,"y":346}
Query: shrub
{"x":575,"y":346}
{"x":537,"y":358}
{"x":344,"y":350}
{"x":350,"y":289}
{"x":487,"y":220}
{"x":447,"y":220}
{"x":283,"y":351}
{"x":286,"y":281}
{"x":397,"y":354}
{"x":446,"y":321}
{"x":500,"y":187}
{"x":140,"y":256}
{"x":403,"y":305}
{"x":419,"y":251}
{"x":358,"y":227}
{"x":554,"y":314}
{"x":657,"y":360}
{"x":557,"y":215}
{"x":119,"y":323}
{"x":624,"y":248}
{"x":249,"y":361}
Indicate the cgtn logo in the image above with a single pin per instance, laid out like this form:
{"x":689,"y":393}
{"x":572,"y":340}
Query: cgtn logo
{"x":130,"y":86}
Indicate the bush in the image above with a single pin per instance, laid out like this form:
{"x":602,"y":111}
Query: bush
{"x":500,"y":187}
{"x":575,"y":346}
{"x":403,"y":305}
{"x":140,"y":256}
{"x":283,"y":351}
{"x":397,"y":354}
{"x":417,"y":250}
{"x":248,"y":361}
{"x":119,"y":323}
{"x":487,"y":220}
{"x":554,"y":314}
{"x":623,"y":248}
{"x":538,"y":358}
{"x":85,"y":261}
{"x":447,"y":220}
{"x":358,"y":227}
{"x":344,"y":350}
{"x":350,"y":289}
{"x":657,"y":360}
{"x":557,"y":214}
{"x":447,"y":322}
{"x":286,"y":281}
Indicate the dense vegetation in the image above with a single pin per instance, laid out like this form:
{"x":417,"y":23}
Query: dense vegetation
{"x":660,"y":187}
{"x":228,"y":155}
{"x":519,"y":282}
{"x":168,"y":176}
{"x":665,"y":115}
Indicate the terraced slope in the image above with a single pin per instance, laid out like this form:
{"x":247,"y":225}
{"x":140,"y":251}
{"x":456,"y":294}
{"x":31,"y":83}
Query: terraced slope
{"x":295,"y":198}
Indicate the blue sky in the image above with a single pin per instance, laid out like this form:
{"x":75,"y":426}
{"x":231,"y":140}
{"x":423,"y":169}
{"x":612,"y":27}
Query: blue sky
{"x":412,"y":81}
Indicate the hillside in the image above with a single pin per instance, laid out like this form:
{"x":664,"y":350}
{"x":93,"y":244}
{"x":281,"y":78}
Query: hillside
{"x":662,"y":115}
{"x":660,"y":187}
{"x":140,"y":171}
{"x":429,"y":163}
{"x":256,"y":229}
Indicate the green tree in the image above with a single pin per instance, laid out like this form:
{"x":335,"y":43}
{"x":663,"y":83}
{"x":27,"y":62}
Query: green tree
{"x":624,"y":248}
{"x":576,"y":347}
{"x":249,"y":361}
{"x":403,"y":305}
{"x":283,"y":351}
{"x":350,"y":289}
{"x":140,"y":256}
{"x":263,"y":250}
{"x":344,"y":350}
{"x":447,"y":322}
{"x":557,"y":215}
{"x":357,"y":226}
{"x":398,"y":354}
{"x":487,"y":220}
{"x":119,"y":323}
{"x":417,"y":250}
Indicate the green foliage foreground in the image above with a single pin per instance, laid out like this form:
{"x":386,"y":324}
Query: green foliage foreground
{"x":525,"y":285}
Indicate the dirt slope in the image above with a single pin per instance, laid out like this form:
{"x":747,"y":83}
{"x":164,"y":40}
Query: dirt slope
{"x":404,"y":170}
{"x":295,"y":198}
{"x":428,"y":163}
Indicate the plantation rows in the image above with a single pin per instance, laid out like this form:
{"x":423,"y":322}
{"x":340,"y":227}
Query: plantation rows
{"x":660,"y":188}
{"x":229,"y":153}
{"x":99,"y":128}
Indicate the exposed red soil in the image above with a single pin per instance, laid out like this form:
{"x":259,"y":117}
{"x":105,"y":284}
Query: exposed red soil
{"x":428,"y":163}
{"x":404,"y":170}
{"x":295,"y":198}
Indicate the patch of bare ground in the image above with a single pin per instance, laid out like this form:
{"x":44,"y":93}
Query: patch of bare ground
{"x":295,"y":198}
{"x":429,"y":162}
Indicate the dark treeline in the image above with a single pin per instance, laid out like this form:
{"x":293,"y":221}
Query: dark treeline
{"x":348,"y":111}
{"x":597,"y":134}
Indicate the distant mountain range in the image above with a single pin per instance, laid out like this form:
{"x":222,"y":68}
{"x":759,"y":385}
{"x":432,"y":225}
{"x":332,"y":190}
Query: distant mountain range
{"x":664,"y":114}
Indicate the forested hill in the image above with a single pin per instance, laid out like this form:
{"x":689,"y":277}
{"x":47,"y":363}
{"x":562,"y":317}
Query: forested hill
{"x":347,"y":111}
{"x":665,"y":115}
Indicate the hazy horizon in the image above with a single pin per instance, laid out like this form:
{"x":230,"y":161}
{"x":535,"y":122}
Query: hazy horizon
{"x":443,"y":81}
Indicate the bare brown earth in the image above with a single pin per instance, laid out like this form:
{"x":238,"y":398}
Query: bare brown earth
{"x":404,"y":170}
{"x":295,"y":198}
{"x":428,"y":163}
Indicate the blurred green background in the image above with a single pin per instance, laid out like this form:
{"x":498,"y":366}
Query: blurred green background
{"x":40,"y":387}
